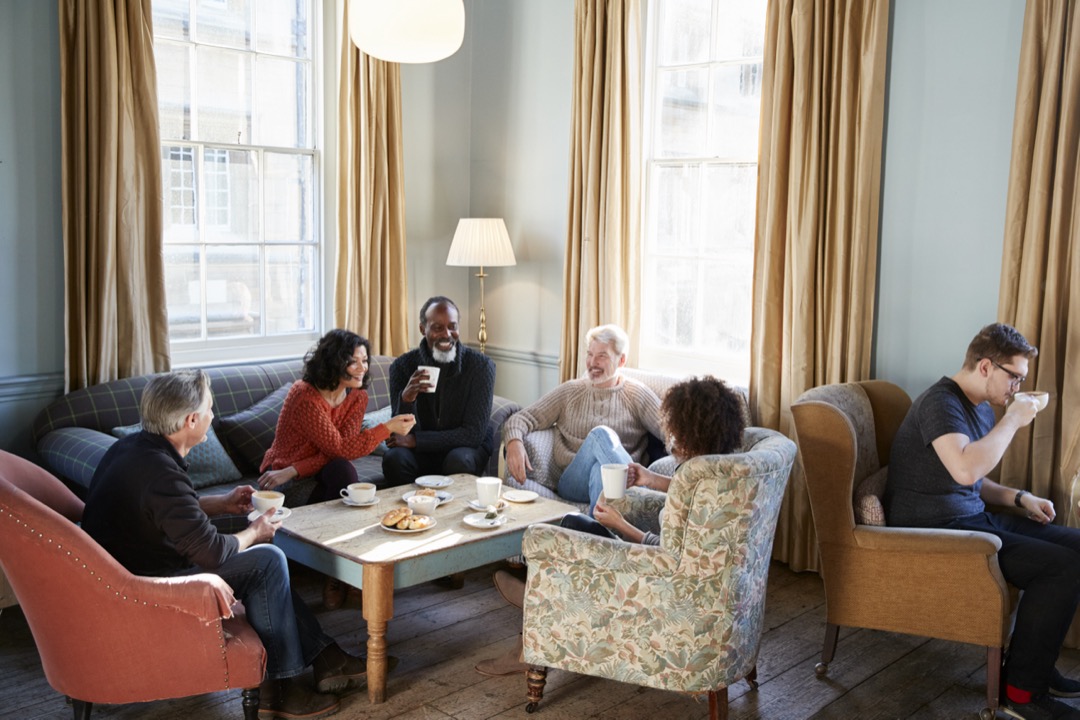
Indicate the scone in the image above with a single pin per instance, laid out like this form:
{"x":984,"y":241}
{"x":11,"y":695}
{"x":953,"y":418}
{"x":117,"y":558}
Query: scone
{"x":418,"y":522}
{"x":395,"y":516}
{"x":430,"y":492}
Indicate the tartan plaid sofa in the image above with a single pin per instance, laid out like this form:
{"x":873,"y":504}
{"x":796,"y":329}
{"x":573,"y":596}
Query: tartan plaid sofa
{"x":73,"y":433}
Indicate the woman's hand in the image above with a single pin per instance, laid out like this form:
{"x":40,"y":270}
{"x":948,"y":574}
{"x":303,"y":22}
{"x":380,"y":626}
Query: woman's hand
{"x":608,"y":516}
{"x":272,"y":478}
{"x":401,"y":424}
{"x":640,"y":476}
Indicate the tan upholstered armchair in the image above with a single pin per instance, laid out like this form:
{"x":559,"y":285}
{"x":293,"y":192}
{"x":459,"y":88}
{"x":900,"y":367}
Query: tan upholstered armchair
{"x":686,"y":615}
{"x":942,"y":584}
{"x":105,"y":635}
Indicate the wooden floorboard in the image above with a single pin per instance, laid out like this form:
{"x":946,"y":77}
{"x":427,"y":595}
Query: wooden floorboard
{"x":439,"y":634}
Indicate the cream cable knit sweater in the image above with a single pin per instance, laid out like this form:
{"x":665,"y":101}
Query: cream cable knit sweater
{"x":574,"y":408}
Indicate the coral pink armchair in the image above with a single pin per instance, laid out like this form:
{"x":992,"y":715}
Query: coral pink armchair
{"x":105,"y":635}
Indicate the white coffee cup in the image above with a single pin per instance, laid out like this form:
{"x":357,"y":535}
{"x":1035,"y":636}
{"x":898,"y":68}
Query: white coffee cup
{"x":432,"y":376}
{"x":359,"y":492}
{"x":614,"y":478}
{"x":488,"y":490}
{"x":264,"y":500}
{"x":423,"y":504}
{"x":1039,"y":396}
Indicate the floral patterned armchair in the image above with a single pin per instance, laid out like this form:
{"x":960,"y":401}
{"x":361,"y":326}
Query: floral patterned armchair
{"x":686,"y":615}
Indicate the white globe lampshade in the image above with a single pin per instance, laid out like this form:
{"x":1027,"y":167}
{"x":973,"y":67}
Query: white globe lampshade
{"x":407,"y":31}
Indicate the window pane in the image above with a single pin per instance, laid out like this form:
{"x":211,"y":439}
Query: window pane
{"x":290,"y":283}
{"x":174,"y":91}
{"x":290,"y":214}
{"x":741,"y":32}
{"x":230,"y":195}
{"x":224,"y":22}
{"x":282,"y":27}
{"x":725,"y":311}
{"x":172,"y":19}
{"x":232,"y":290}
{"x":183,"y":292}
{"x":729,"y":208}
{"x":282,"y":99}
{"x":178,"y":191}
{"x":735,"y":111}
{"x":673,"y":201}
{"x":682,"y":97}
{"x":683,"y":35}
{"x":673,"y":298}
{"x":224,"y":96}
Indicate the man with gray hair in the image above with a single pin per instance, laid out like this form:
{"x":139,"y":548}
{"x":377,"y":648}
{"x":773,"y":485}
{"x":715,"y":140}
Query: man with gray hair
{"x":601,"y":418}
{"x":143,"y":509}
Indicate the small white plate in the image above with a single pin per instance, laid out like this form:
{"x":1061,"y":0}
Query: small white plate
{"x":280,"y":515}
{"x":520,"y":496}
{"x":478,"y":521}
{"x":434,"y":481}
{"x":351,"y":503}
{"x":475,"y":505}
{"x":434,"y":522}
{"x":444,"y":497}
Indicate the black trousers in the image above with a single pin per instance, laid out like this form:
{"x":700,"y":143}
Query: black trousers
{"x":401,"y":466}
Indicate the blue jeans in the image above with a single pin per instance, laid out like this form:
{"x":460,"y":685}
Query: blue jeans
{"x":581,"y":480}
{"x":259,"y":577}
{"x":1044,"y":562}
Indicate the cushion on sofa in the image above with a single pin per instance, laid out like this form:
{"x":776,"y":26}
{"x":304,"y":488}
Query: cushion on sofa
{"x":867,"y":501}
{"x":250,"y":432}
{"x":373,"y":418}
{"x":208,"y":463}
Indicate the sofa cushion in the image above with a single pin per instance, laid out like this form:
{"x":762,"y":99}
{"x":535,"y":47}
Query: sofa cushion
{"x":373,"y":418}
{"x":867,"y":501}
{"x":250,"y":432}
{"x":208,"y":463}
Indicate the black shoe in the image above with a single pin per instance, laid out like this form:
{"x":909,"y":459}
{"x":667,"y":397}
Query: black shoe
{"x":337,"y":672}
{"x":1041,"y":707}
{"x":289,"y":699}
{"x":1061,"y":686}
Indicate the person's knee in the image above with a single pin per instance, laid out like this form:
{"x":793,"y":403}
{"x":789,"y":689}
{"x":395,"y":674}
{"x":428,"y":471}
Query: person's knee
{"x":464,"y":460}
{"x":268,"y":559}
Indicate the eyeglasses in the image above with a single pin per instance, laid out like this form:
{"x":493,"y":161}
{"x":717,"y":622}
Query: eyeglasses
{"x":1014,"y":379}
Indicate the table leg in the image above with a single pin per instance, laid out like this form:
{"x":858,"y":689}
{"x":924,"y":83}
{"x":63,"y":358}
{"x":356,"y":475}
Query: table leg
{"x":378,"y":608}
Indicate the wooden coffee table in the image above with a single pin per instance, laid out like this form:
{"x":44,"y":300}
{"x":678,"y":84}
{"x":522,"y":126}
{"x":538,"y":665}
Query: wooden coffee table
{"x":349,"y":543}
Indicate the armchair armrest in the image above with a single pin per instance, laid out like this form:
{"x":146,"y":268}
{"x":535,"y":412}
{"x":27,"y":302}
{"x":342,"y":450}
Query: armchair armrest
{"x":926,"y":540}
{"x":550,"y":546}
{"x":641,"y":507}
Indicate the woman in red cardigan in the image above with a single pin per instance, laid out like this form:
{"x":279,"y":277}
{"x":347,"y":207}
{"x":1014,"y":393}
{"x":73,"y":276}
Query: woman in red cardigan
{"x":320,"y":427}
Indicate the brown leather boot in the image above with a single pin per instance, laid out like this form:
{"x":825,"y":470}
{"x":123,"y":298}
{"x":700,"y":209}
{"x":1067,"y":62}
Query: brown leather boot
{"x":509,"y":663}
{"x":511,"y":587}
{"x":290,"y":699}
{"x":333,"y":593}
{"x":337,"y":671}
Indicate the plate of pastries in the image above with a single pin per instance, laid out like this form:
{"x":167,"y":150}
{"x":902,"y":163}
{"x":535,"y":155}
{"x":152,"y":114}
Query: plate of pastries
{"x":402,"y":520}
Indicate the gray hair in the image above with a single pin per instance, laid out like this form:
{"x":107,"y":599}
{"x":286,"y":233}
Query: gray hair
{"x":612,"y":335}
{"x":169,"y":398}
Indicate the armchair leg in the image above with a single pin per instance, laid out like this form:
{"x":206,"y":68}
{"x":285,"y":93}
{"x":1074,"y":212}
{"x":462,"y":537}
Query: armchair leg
{"x":251,"y":703}
{"x":751,"y":677}
{"x":535,"y":679}
{"x":828,"y":649}
{"x":82,"y":709}
{"x":718,"y":704}
{"x":993,"y":679}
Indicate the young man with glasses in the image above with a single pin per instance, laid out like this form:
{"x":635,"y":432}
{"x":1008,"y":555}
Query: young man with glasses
{"x":940,"y":456}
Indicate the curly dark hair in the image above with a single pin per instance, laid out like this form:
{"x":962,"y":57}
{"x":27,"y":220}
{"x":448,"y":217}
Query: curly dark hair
{"x":326,"y":363}
{"x":702,"y":416}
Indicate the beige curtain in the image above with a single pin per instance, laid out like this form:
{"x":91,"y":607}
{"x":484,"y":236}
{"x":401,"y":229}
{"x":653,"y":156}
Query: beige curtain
{"x":1040,"y":270}
{"x":815,"y":254}
{"x":115,"y":316}
{"x":371,"y":293}
{"x":601,"y":275}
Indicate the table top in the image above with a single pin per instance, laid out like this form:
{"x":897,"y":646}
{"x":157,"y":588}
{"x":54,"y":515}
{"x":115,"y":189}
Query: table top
{"x":355,"y":533}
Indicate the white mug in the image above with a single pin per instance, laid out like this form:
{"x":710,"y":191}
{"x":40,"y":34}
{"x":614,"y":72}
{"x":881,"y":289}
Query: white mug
{"x":614,"y":477}
{"x":488,"y":490}
{"x":432,"y":376}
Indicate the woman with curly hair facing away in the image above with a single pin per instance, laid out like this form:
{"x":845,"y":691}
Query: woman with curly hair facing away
{"x":700,"y":416}
{"x":320,"y":428}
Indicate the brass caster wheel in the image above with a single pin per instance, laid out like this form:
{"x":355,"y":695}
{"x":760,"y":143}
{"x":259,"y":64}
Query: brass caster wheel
{"x":986,"y":714}
{"x":821,"y":668}
{"x":530,"y":708}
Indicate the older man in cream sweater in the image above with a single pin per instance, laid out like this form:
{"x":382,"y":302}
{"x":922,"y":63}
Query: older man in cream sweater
{"x":601,"y":418}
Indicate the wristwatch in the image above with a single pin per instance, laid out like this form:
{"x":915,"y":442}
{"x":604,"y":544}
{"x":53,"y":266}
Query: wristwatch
{"x":1019,"y":494}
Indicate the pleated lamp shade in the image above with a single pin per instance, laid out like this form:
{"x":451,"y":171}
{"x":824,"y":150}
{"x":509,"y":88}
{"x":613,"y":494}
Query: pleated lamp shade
{"x":481,"y":242}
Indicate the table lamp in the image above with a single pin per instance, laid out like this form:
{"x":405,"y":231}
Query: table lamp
{"x":407,"y":31}
{"x":479,"y":242}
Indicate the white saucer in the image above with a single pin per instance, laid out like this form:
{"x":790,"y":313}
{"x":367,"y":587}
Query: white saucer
{"x":434,"y":481}
{"x":434,"y":522}
{"x":280,"y":515}
{"x":520,"y":496}
{"x":442,"y":495}
{"x":478,"y":521}
{"x":351,"y":503}
{"x":499,"y":507}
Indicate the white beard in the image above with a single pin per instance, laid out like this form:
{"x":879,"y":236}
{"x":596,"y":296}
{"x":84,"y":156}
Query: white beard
{"x":445,"y":356}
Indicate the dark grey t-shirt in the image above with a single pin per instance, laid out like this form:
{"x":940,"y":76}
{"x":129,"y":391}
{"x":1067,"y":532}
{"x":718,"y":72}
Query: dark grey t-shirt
{"x":920,"y":491}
